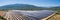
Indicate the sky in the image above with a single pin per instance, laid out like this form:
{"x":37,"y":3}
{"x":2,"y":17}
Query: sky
{"x":43,"y":3}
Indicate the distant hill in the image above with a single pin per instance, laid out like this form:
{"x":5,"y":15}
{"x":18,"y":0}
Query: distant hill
{"x":55,"y":8}
{"x":26,"y":7}
{"x":21,"y":7}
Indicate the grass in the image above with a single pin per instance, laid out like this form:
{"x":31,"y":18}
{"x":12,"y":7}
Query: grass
{"x":58,"y":10}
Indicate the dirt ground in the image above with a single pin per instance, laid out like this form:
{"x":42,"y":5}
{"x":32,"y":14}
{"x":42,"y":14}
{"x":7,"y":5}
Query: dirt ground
{"x":57,"y":17}
{"x":1,"y":13}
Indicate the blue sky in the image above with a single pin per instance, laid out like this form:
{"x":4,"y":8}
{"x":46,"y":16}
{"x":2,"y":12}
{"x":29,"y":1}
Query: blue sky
{"x":46,"y":3}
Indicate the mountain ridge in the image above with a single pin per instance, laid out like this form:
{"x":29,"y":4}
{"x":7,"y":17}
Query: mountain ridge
{"x":19,"y":6}
{"x":27,"y":7}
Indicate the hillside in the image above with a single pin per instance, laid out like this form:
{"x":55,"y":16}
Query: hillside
{"x":55,"y":8}
{"x":26,"y":7}
{"x":20,"y":6}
